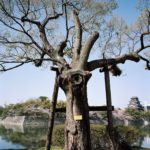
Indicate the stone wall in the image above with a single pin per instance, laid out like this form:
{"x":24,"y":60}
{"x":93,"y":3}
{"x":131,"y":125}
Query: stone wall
{"x":17,"y":120}
{"x":95,"y":118}
{"x":29,"y":121}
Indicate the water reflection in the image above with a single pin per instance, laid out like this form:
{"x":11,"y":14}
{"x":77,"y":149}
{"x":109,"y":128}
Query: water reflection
{"x":14,"y":128}
{"x":19,"y":137}
{"x":144,"y":137}
{"x":9,"y":145}
{"x":30,"y":138}
{"x":146,"y":142}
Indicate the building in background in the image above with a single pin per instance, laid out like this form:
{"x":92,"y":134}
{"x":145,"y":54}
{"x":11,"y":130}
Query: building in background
{"x":147,"y":108}
{"x":134,"y":103}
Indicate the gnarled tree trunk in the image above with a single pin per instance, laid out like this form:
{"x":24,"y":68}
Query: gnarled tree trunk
{"x":77,"y":129}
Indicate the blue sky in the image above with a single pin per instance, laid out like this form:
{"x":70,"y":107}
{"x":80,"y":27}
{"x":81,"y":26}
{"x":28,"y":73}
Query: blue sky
{"x":127,"y":9}
{"x":31,"y":82}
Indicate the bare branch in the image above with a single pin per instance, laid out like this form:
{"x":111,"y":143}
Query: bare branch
{"x":55,"y":16}
{"x":37,"y":62}
{"x":147,"y":62}
{"x":7,"y":25}
{"x":7,"y":69}
{"x":66,"y":21}
{"x":86,"y":49}
{"x":142,"y":41}
{"x":141,"y":49}
{"x":25,"y":19}
{"x":40,"y":61}
{"x":26,"y":13}
{"x":48,"y":49}
{"x":92,"y":65}
{"x":78,"y":39}
{"x":72,"y":5}
{"x":4,"y":40}
{"x":46,"y":20}
{"x":17,"y":22}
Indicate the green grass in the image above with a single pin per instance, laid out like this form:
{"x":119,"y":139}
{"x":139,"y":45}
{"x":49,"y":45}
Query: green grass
{"x":52,"y":148}
{"x":136,"y":148}
{"x":56,"y":148}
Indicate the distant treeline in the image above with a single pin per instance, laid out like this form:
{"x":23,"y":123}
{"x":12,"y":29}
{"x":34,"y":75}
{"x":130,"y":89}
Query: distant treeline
{"x":37,"y":105}
{"x":138,"y":114}
{"x":23,"y":108}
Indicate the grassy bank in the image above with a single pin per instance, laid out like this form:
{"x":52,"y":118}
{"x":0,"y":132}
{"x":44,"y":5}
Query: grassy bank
{"x":52,"y":148}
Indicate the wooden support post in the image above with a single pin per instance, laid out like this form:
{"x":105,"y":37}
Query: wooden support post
{"x":52,"y":112}
{"x":108,"y":100}
{"x":115,"y":137}
{"x":109,"y":105}
{"x":116,"y":143}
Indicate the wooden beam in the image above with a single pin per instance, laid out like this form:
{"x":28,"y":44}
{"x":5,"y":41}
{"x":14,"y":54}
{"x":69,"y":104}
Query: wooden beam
{"x":99,"y":108}
{"x":91,"y":108}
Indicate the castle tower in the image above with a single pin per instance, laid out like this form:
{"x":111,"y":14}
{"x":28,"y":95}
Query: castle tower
{"x":134,"y":103}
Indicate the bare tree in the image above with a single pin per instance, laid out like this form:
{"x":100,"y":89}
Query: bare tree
{"x":30,"y":34}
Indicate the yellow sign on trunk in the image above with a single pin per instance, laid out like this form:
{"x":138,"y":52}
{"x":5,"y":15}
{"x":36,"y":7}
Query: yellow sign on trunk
{"x":78,"y":117}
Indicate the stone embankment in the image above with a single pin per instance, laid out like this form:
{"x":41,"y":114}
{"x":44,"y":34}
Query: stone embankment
{"x":28,"y":121}
{"x":33,"y":117}
{"x":40,"y":118}
{"x":16,"y":120}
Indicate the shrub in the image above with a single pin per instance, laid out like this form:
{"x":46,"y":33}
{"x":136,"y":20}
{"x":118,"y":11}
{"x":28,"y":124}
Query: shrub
{"x":135,"y":114}
{"x":20,"y":108}
{"x":58,"y":136}
{"x":61,"y":104}
{"x":1,"y":111}
{"x":98,"y":136}
{"x":147,"y":115}
{"x":129,"y":133}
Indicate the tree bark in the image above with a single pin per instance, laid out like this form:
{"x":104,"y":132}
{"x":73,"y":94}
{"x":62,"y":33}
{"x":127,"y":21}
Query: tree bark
{"x":77,"y":129}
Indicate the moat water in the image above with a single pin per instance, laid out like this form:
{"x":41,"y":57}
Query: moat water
{"x":18,"y":137}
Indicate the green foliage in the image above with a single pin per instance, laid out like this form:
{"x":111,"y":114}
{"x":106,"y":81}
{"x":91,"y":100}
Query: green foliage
{"x":99,"y":137}
{"x":43,"y":98}
{"x":1,"y":111}
{"x":145,"y":130}
{"x":135,"y":114}
{"x":58,"y":136}
{"x":61,"y":104}
{"x":104,"y":115}
{"x":41,"y":102}
{"x":146,"y":115}
{"x":130,"y":134}
{"x":52,"y":148}
{"x":138,"y":115}
{"x":31,"y":138}
{"x":20,"y":109}
{"x":6,"y":111}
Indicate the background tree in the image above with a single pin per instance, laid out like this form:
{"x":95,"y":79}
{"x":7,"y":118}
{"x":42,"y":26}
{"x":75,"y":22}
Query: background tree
{"x":63,"y":32}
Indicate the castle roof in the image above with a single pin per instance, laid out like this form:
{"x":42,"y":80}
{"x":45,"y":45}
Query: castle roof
{"x":134,"y":103}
